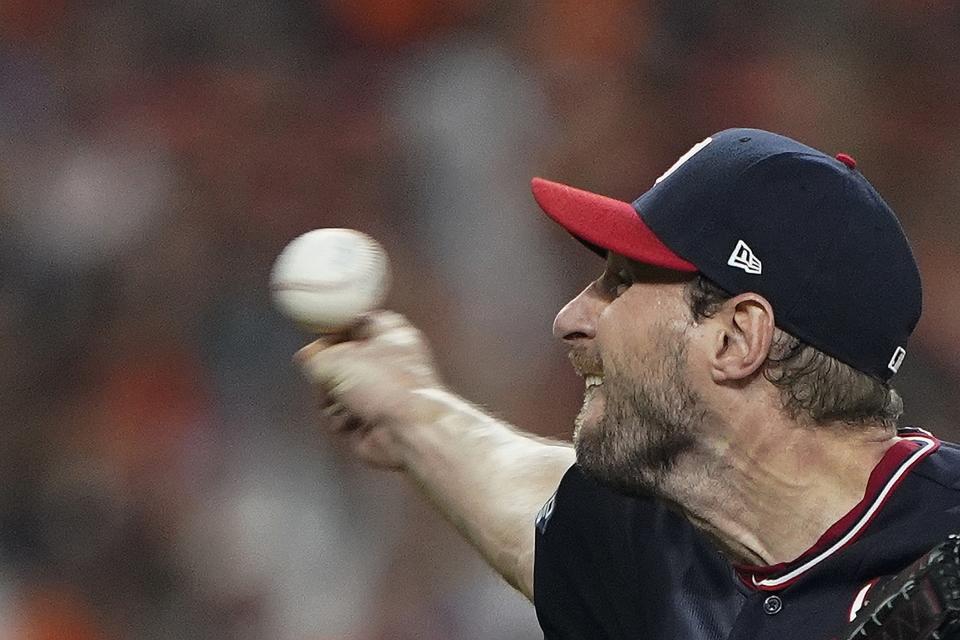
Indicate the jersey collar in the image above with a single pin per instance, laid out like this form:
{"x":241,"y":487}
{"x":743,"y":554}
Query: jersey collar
{"x":915,"y":445}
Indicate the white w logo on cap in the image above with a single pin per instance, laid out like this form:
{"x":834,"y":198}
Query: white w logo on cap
{"x":743,"y":258}
{"x":689,"y":154}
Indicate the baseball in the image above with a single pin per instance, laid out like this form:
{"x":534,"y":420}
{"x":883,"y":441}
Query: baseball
{"x":327,"y":278}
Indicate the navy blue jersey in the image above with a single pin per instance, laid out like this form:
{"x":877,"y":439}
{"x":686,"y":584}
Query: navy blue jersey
{"x":613,"y":567}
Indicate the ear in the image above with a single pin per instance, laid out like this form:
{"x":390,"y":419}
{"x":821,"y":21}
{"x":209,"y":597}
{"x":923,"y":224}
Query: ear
{"x":745,"y":328}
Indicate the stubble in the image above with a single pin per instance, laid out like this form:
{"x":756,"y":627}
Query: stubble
{"x":649,"y":423}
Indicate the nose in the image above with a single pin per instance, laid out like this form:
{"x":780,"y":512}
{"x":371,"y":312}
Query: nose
{"x":578,"y":318}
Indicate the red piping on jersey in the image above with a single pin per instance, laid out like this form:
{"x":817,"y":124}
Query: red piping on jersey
{"x":884,"y":479}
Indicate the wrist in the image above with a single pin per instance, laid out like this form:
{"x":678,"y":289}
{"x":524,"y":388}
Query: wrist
{"x":437,"y":424}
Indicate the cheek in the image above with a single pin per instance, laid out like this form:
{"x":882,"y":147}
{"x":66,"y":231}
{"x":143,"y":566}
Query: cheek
{"x":644,"y":347}
{"x":627,"y":330}
{"x":615,"y":341}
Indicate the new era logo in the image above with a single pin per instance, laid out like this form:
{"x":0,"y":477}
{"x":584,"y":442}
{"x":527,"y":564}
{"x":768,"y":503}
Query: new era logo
{"x":743,"y":258}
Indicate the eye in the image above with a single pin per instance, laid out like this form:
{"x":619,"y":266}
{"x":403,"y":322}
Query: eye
{"x":614,"y":284}
{"x":622,"y":282}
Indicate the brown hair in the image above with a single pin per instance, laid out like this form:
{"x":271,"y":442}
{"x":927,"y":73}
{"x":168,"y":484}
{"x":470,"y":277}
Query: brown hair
{"x":811,"y":383}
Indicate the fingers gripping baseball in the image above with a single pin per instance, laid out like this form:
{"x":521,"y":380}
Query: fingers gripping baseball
{"x":367,"y":382}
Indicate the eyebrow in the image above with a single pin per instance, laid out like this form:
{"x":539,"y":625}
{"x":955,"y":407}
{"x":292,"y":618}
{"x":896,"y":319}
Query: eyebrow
{"x":640,"y":271}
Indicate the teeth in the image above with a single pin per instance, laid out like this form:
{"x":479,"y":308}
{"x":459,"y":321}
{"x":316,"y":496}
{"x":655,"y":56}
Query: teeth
{"x":593,"y":381}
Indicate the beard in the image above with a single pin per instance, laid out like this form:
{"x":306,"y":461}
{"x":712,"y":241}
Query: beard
{"x":649,"y":423}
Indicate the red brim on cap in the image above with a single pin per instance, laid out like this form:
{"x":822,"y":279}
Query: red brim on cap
{"x":606,"y":223}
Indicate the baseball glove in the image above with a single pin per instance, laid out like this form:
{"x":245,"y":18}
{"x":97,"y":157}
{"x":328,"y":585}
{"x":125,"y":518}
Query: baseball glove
{"x":922,"y":602}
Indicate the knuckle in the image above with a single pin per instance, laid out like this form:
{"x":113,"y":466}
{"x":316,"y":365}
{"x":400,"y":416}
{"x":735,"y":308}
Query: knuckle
{"x":402,"y":337}
{"x":333,"y":409}
{"x":325,"y":364}
{"x":310,"y":350}
{"x":386,"y":320}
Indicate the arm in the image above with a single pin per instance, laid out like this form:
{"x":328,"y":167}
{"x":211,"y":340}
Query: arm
{"x":488,"y":479}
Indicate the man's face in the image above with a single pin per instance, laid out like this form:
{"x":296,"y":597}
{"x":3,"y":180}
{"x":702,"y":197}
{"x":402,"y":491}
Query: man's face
{"x":628,"y":336}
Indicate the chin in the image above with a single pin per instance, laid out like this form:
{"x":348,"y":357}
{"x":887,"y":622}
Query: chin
{"x":629,"y":455}
{"x":586,"y":428}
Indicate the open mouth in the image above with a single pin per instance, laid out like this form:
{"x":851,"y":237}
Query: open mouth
{"x":593,"y":401}
{"x":592,"y":381}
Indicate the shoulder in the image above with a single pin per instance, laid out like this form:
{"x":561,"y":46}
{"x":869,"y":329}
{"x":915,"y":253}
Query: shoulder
{"x":580,"y":502}
{"x":940,"y":471}
{"x":618,"y":535}
{"x":923,"y":506}
{"x":607,"y":565}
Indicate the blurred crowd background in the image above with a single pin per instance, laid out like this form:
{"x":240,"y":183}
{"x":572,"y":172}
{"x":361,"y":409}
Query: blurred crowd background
{"x":162,"y":473}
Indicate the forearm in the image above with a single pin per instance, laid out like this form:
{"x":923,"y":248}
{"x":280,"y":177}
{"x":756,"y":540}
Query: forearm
{"x":384,"y":400}
{"x":487,"y":478}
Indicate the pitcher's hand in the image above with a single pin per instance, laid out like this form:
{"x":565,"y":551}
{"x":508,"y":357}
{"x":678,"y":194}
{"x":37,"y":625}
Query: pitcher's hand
{"x":375,"y":384}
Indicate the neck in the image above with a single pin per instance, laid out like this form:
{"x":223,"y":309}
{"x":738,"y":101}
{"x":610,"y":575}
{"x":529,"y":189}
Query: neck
{"x":768,"y":499}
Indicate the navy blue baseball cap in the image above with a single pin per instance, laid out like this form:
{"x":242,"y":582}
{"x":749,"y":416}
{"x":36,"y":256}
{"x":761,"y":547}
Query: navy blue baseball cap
{"x":755,"y":211}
